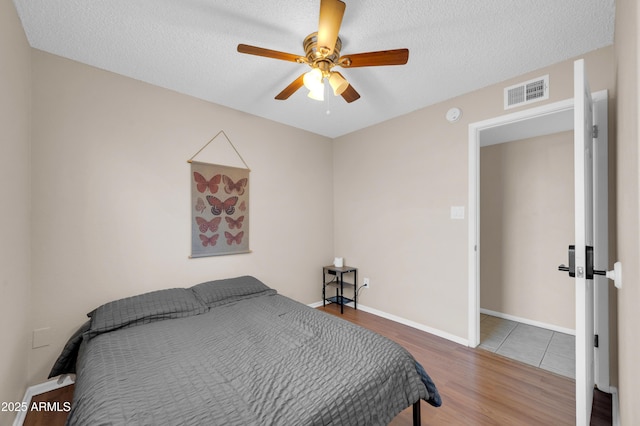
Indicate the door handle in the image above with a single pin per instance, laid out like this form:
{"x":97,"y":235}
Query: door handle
{"x":615,"y":275}
{"x":571,"y":269}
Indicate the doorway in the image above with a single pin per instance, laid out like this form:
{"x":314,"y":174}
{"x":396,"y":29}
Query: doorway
{"x":544,"y":120}
{"x":527,"y":195}
{"x":540,"y":121}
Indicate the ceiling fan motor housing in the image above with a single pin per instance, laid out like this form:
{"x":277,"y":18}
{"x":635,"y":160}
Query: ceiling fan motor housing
{"x":316,"y":57}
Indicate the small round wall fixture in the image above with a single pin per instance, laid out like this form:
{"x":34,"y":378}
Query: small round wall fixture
{"x":453,"y":115}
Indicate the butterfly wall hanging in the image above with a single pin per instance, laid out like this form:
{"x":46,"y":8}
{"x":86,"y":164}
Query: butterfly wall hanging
{"x":219,"y":209}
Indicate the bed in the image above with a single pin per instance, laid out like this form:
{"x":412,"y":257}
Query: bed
{"x":235,"y":352}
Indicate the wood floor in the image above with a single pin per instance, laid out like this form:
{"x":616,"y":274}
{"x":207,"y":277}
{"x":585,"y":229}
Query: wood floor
{"x":477,"y":387}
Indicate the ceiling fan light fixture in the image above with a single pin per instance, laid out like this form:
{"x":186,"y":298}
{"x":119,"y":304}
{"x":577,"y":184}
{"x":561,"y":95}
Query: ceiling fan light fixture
{"x":338,"y":83}
{"x":313,"y":80}
{"x":317,"y":93}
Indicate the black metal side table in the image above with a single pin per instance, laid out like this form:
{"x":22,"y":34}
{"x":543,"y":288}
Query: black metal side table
{"x":339,"y":298}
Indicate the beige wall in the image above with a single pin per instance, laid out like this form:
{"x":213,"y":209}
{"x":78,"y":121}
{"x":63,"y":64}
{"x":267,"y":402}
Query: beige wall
{"x":526,"y":223}
{"x":628,"y":211}
{"x":111,"y":196}
{"x":394,"y":185}
{"x":14,"y":206}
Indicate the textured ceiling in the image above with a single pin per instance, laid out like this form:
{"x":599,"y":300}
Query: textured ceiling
{"x":456,"y":46}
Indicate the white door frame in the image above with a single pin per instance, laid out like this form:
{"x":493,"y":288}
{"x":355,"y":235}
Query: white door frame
{"x":546,"y":119}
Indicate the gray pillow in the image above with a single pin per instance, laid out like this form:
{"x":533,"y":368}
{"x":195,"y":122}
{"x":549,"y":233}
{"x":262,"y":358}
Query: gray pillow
{"x":145,"y":308}
{"x":221,"y":292}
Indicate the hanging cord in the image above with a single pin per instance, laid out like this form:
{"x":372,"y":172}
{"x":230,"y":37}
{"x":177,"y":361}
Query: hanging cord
{"x":327,"y":97}
{"x":230,"y":143}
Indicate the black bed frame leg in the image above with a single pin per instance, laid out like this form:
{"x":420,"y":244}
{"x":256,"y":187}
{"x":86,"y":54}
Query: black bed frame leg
{"x":416,"y":413}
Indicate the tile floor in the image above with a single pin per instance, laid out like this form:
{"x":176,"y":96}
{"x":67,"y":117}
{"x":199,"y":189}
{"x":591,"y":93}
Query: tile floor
{"x":540,"y":347}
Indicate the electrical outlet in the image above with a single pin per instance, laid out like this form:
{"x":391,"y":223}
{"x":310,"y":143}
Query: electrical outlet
{"x":366,"y":283}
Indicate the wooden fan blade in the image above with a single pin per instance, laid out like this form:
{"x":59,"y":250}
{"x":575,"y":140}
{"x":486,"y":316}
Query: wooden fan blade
{"x":350,"y":94}
{"x":290,"y":89}
{"x":268,"y":53}
{"x":331,"y":13}
{"x":374,"y":59}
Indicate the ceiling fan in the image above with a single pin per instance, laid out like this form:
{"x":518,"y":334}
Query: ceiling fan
{"x":322,"y":54}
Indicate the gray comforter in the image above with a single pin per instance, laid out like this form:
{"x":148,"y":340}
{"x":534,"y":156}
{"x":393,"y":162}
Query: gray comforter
{"x":254,"y":359}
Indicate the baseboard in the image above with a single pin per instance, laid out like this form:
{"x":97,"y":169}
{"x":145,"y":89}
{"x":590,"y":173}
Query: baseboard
{"x":34,"y":390}
{"x":529,"y":322}
{"x":449,"y":336}
{"x":413,"y":324}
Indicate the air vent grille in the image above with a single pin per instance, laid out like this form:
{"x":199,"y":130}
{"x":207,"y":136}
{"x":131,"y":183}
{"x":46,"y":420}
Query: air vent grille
{"x":527,"y":92}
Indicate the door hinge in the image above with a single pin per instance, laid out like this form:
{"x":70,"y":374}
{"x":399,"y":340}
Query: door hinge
{"x":595,"y":341}
{"x":594,"y":132}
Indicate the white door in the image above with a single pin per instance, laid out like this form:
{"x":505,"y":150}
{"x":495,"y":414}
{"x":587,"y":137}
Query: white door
{"x":583,"y":163}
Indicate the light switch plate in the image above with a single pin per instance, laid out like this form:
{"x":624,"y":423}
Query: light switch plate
{"x":41,"y":337}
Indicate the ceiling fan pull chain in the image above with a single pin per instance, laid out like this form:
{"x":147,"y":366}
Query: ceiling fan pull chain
{"x":327,"y":97}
